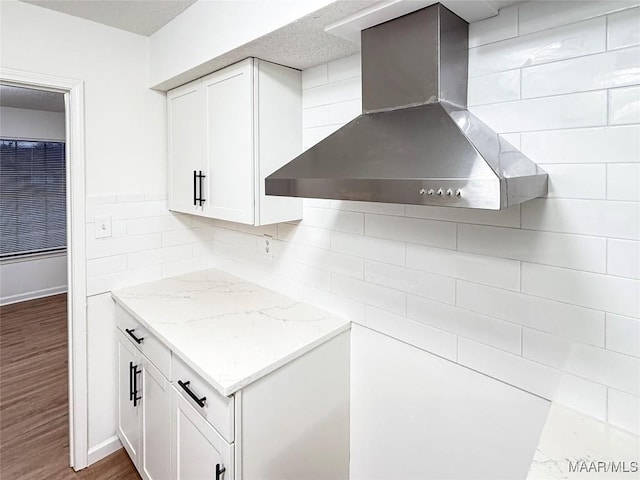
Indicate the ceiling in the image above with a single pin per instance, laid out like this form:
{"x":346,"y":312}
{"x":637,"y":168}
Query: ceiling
{"x":138,"y":16}
{"x":31,"y":99}
{"x":146,"y":16}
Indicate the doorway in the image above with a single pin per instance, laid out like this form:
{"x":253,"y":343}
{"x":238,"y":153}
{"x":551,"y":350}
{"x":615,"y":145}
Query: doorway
{"x":75,"y":307}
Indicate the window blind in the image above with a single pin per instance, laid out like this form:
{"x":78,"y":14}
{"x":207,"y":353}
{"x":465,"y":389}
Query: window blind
{"x":32,"y":197}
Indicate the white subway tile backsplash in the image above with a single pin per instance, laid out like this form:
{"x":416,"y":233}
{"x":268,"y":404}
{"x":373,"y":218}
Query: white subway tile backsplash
{"x":413,"y":230}
{"x":587,"y":145}
{"x":106,"y":265}
{"x":563,"y":388}
{"x":623,"y":182}
{"x":623,"y":334}
{"x":493,"y":29}
{"x":587,"y":109}
{"x":474,"y":268}
{"x":491,"y":331}
{"x":369,"y":207}
{"x":339,"y":220}
{"x":336,"y":304}
{"x":436,"y":287}
{"x":316,"y":116}
{"x":344,"y":112}
{"x":593,"y":72}
{"x":112,"y":281}
{"x":602,"y":366}
{"x":567,"y":41}
{"x":299,"y":234}
{"x":494,"y":88}
{"x":175,"y":221}
{"x":369,"y":294}
{"x":592,"y":290}
{"x":315,"y":76}
{"x":191,"y":235}
{"x":342,"y":91}
{"x":315,"y":277}
{"x":501,"y":218}
{"x":107,"y":247}
{"x":180,"y":267}
{"x":577,"y":181}
{"x":624,"y":105}
{"x":158,"y":256}
{"x":332,"y":261}
{"x":572,"y":251}
{"x":414,"y":333}
{"x":622,"y":29}
{"x":586,"y":217}
{"x":343,"y":68}
{"x":156,"y":196}
{"x":623,"y":410}
{"x":569,"y":321}
{"x":368,"y":247}
{"x":311,"y":136}
{"x":536,"y":16}
{"x":623,"y":258}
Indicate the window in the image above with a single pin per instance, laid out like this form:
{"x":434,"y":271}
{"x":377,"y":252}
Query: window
{"x":32,"y":197}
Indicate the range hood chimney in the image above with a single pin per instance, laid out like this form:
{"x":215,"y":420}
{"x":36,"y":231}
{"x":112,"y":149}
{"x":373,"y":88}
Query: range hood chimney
{"x":415,"y":142}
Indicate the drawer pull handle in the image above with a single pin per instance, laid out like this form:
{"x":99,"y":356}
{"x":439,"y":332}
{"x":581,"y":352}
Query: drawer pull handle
{"x":133,"y":384}
{"x":132,"y":335}
{"x":219,"y":471}
{"x":185,"y":387}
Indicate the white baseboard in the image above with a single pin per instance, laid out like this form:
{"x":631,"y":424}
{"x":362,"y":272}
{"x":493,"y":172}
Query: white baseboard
{"x":103,"y":449}
{"x":22,"y":297}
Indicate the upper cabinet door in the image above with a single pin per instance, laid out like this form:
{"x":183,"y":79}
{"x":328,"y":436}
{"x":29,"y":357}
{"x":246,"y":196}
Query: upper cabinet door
{"x":186,"y":146}
{"x":229,"y":144}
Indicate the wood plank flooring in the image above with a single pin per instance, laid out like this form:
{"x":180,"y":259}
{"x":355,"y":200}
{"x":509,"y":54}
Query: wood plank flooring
{"x":34,"y":422}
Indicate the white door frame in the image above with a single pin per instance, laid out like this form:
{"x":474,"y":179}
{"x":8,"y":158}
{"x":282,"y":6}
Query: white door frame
{"x":76,"y":246}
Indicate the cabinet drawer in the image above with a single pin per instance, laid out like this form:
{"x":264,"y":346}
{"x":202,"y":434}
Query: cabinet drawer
{"x":149,"y":345}
{"x":216,"y":409}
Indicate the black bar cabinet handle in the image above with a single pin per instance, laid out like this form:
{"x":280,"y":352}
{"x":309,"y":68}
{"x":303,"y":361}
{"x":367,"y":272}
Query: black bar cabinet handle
{"x":219,"y":471}
{"x":131,"y":334}
{"x":200,"y":199}
{"x":130,"y":381}
{"x":195,"y":180}
{"x":136,"y":398}
{"x":185,"y":387}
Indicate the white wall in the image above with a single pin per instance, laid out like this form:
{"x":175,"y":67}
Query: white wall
{"x":125,"y":121}
{"x":35,"y":277}
{"x":125,"y":140}
{"x":210,"y":28}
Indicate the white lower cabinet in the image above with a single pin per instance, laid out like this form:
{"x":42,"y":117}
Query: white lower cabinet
{"x":156,"y":423}
{"x":291,"y":424}
{"x":199,"y":452}
{"x":128,"y":413}
{"x":144,"y":409}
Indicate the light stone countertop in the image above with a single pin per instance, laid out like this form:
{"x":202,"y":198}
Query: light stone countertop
{"x":571,"y":437}
{"x":228,"y":330}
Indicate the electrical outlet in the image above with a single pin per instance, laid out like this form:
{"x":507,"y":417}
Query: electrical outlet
{"x":267,"y":245}
{"x":103,"y":226}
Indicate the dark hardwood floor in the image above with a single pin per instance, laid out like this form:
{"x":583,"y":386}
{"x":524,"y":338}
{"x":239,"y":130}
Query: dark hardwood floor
{"x":34,"y":422}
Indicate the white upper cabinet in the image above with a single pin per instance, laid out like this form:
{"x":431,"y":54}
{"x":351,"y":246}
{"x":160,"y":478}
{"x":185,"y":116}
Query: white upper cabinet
{"x":227,"y":132}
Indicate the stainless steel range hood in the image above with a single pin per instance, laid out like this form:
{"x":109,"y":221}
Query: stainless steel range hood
{"x":415,"y":142}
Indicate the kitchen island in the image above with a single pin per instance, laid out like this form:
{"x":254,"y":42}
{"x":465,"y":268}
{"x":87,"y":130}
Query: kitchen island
{"x":221,"y":377}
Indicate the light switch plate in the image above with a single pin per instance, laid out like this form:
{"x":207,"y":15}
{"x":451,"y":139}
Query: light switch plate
{"x":103,"y":226}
